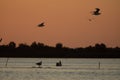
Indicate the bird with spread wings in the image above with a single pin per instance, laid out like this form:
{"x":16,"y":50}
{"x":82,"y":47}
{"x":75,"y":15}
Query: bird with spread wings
{"x":96,"y":12}
{"x":41,"y":24}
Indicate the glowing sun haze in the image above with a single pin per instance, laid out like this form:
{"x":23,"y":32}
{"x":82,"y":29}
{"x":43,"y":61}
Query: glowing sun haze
{"x":66,"y":21}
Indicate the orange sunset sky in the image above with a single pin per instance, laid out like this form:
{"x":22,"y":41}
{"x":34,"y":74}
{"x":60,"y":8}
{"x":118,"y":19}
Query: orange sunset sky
{"x":66,"y":21}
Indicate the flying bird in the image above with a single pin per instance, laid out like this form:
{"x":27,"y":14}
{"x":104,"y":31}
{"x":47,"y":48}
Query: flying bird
{"x":41,"y":25}
{"x":97,"y":12}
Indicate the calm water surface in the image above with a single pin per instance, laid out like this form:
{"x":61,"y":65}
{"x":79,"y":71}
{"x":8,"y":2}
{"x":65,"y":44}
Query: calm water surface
{"x":72,"y":69}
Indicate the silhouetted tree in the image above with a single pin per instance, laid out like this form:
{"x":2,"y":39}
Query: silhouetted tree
{"x":23,"y":45}
{"x":103,"y":46}
{"x":97,"y":46}
{"x":40,"y":45}
{"x":34,"y":45}
{"x":41,"y":50}
{"x":59,"y":45}
{"x":100,"y":46}
{"x":12,"y":45}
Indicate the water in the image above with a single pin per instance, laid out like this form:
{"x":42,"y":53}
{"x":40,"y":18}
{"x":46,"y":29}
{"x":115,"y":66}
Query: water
{"x":72,"y":69}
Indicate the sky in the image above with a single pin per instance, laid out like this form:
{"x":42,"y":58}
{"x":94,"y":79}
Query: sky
{"x":66,"y":22}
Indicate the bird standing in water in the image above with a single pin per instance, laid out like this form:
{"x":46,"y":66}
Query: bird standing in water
{"x":39,"y":63}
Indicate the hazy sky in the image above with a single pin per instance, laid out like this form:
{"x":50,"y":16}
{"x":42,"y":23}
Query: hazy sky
{"x":67,"y":21}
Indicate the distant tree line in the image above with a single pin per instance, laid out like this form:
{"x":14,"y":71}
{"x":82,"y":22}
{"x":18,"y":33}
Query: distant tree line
{"x":44,"y":51}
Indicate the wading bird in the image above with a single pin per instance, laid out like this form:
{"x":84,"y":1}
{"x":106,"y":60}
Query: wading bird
{"x":39,"y":63}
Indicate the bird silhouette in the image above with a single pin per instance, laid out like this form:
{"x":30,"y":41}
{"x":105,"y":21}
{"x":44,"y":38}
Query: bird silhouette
{"x":97,"y":12}
{"x":39,"y":63}
{"x":41,"y":24}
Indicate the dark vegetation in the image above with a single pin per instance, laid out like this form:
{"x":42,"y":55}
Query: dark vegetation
{"x":45,"y":51}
